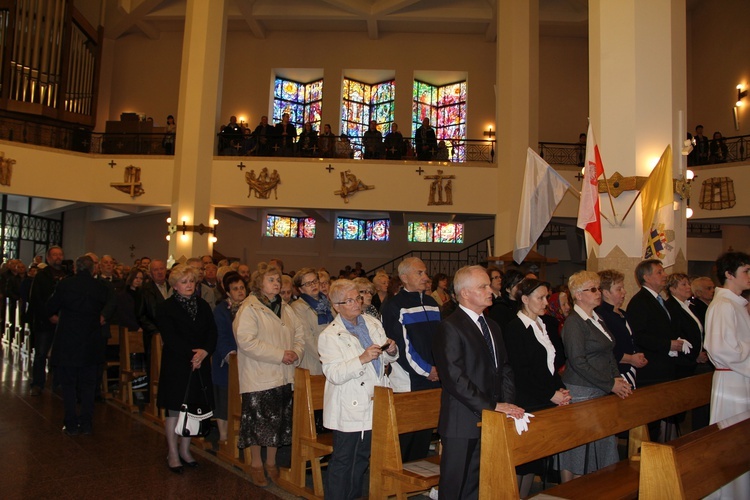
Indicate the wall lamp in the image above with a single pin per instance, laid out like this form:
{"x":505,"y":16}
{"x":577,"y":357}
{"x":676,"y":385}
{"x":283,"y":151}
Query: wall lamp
{"x":741,"y":94}
{"x":682,"y":188}
{"x":184,"y":227}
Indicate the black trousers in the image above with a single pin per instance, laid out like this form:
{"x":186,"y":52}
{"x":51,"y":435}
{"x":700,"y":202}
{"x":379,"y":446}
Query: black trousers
{"x":459,"y":469}
{"x":349,"y":462}
{"x":78,"y":382}
{"x":42,"y":345}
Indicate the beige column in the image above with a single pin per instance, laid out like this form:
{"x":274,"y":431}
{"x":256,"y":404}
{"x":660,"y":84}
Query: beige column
{"x":197,"y":114}
{"x":637,"y":99}
{"x":517,"y":101}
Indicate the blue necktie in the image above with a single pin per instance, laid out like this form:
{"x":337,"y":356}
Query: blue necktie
{"x":487,"y":338}
{"x":663,"y":305}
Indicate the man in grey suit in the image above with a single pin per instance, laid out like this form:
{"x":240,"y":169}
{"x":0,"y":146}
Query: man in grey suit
{"x":470,"y":357}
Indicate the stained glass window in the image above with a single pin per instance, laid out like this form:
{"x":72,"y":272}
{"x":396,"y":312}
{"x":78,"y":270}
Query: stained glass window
{"x":362,"y":230}
{"x":445,"y":107}
{"x":435,"y":232}
{"x":290,"y":227}
{"x":364,"y":102}
{"x":301,"y":100}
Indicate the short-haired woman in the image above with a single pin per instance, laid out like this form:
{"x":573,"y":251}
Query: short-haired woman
{"x":591,"y":371}
{"x":270,"y":343}
{"x":188,"y":332}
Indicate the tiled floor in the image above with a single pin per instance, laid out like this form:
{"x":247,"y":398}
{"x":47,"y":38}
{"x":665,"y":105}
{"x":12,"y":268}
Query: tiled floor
{"x":124,"y":458}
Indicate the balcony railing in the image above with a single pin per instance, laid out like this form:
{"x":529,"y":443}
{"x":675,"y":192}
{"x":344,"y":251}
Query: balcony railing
{"x":730,"y":149}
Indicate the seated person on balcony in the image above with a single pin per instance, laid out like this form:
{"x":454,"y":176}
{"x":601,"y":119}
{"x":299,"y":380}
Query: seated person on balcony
{"x":701,"y":148}
{"x":327,"y":142}
{"x":719,"y":150}
{"x":263,"y":134}
{"x":308,"y":141}
{"x":248,"y":141}
{"x":344,"y":147}
{"x":394,"y":143}
{"x":373,"y":141}
{"x":231,"y":136}
{"x":286,"y":133}
{"x":425,"y":141}
{"x":442,"y":152}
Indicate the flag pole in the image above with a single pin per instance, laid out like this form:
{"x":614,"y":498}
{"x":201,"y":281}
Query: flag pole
{"x":577,"y":194}
{"x":630,"y":207}
{"x":611,"y":203}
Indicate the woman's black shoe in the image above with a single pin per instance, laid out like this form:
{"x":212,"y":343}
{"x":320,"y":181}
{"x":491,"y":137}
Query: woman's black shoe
{"x":189,"y":464}
{"x":176,"y":470}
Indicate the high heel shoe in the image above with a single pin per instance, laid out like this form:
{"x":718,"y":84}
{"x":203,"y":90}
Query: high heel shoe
{"x":176,"y":470}
{"x":192,"y":464}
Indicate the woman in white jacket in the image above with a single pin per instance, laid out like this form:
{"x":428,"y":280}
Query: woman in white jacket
{"x":354,"y":351}
{"x":270,"y":343}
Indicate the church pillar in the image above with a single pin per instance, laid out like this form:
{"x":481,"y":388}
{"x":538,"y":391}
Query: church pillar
{"x":201,"y":74}
{"x":637,"y":105}
{"x":517,"y":109}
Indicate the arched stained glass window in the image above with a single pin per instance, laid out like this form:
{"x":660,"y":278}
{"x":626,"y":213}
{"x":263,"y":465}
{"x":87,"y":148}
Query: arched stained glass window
{"x":445,"y":107}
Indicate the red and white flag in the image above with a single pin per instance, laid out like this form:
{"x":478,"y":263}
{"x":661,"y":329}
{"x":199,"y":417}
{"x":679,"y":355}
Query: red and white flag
{"x":589,"y":216}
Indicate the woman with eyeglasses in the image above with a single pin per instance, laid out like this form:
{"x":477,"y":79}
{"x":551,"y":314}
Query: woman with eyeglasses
{"x":354,"y":350}
{"x":591,"y":372}
{"x":366,"y":290}
{"x":314,"y":312}
{"x":270,"y":343}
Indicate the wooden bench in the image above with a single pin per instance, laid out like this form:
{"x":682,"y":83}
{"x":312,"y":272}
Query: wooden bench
{"x":395,"y":414}
{"x":697,"y":464}
{"x":151,"y":411}
{"x":307,"y":445}
{"x":562,"y":428}
{"x":228,"y":450}
{"x":113,"y":340}
{"x":131,"y":342}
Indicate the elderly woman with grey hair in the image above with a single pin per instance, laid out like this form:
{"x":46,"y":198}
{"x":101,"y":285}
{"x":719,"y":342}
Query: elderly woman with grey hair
{"x":591,"y":371}
{"x":314,"y":312}
{"x":188,"y":332}
{"x":270,"y":343}
{"x":354,"y":350}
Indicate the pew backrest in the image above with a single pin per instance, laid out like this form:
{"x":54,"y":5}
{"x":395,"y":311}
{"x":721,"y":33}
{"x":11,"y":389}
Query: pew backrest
{"x":697,"y":464}
{"x":562,"y":428}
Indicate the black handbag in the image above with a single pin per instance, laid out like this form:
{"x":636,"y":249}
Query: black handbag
{"x":194,"y":419}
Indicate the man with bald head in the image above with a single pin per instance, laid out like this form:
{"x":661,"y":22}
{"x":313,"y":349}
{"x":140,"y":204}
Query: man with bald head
{"x":476,"y":375}
{"x":703,"y":289}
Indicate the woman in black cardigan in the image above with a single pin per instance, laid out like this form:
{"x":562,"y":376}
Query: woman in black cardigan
{"x":532,"y":356}
{"x":188,"y":332}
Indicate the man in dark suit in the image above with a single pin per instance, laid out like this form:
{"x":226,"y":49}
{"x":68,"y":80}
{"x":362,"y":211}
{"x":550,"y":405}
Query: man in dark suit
{"x":652,"y":328}
{"x":470,"y":357}
{"x":154,"y":293}
{"x":653,"y":332}
{"x":77,"y":307}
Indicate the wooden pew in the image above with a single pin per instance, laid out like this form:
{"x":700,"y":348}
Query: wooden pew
{"x":395,"y":414}
{"x":562,"y":428}
{"x":130,"y":342}
{"x":228,"y":450}
{"x":114,"y":339}
{"x":307,"y":445}
{"x":151,"y":411}
{"x":697,"y":464}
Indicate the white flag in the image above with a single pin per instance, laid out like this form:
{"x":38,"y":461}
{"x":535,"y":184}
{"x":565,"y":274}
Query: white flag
{"x":543,"y":189}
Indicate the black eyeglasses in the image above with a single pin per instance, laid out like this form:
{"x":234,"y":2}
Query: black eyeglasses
{"x":593,"y":289}
{"x":363,"y":292}
{"x":311,"y":282}
{"x":350,"y":301}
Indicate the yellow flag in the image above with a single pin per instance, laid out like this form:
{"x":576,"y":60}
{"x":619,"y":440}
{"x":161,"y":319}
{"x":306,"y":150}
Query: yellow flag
{"x":657,"y":197}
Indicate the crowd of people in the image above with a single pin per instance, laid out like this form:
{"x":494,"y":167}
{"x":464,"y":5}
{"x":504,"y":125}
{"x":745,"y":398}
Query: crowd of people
{"x":282,"y":139}
{"x":705,"y":151}
{"x":490,"y":339}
